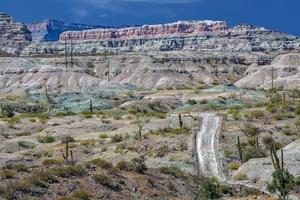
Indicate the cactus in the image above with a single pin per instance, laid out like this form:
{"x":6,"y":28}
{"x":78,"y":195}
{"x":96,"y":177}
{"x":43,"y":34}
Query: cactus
{"x":278,"y":165}
{"x":180,"y":121}
{"x":66,"y":140}
{"x":91,"y":106}
{"x":240,"y":150}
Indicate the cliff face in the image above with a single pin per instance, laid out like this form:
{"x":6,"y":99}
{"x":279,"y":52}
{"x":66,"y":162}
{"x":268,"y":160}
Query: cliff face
{"x":181,"y":28}
{"x":11,"y":30}
{"x":50,"y":30}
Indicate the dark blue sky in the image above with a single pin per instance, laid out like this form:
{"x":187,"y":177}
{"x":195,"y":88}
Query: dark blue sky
{"x":281,"y":15}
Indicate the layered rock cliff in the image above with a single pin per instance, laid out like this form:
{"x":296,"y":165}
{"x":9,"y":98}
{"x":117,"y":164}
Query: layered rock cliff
{"x":180,"y":28}
{"x":50,"y":30}
{"x":13,"y":35}
{"x":12,"y":30}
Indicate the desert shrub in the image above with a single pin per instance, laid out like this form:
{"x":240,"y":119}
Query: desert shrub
{"x":88,"y":143}
{"x":117,"y":138}
{"x":159,"y":115}
{"x":17,"y":167}
{"x":254,"y":152}
{"x":267,"y":140}
{"x":172,"y":131}
{"x":235,"y":113}
{"x":123,"y":165}
{"x":240,"y":177}
{"x":82,"y":195}
{"x":192,"y":102}
{"x":271,"y":108}
{"x":101,"y":163}
{"x":105,"y":181}
{"x":43,"y":118}
{"x":68,"y":171}
{"x":7,"y":174}
{"x":297,"y":110}
{"x":234,"y":166}
{"x":162,"y":151}
{"x":228,"y":153}
{"x":103,"y":136}
{"x":204,"y":101}
{"x":211,"y":188}
{"x":52,"y":161}
{"x":135,"y":165}
{"x":250,"y":130}
{"x":12,"y":121}
{"x":86,"y":114}
{"x":174,"y":171}
{"x":25,"y":133}
{"x":257,"y":113}
{"x":26,"y":144}
{"x":46,"y":138}
{"x":282,"y":184}
{"x":280,"y":116}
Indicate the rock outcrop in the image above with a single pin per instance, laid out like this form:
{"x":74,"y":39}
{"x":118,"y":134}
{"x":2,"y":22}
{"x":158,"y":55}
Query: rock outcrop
{"x":50,"y":30}
{"x":180,"y":28}
{"x":286,"y":74}
{"x":12,"y":30}
{"x":13,"y":35}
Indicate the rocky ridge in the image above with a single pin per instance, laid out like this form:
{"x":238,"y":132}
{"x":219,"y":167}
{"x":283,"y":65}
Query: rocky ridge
{"x":50,"y":29}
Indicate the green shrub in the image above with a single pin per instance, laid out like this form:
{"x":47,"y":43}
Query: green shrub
{"x":250,"y":130}
{"x":88,"y":143}
{"x":192,"y":102}
{"x":52,"y":161}
{"x":240,"y":177}
{"x":19,"y":167}
{"x":103,"y":136}
{"x":234,"y":166}
{"x":68,"y":171}
{"x":7,"y":174}
{"x":280,"y":116}
{"x":257,"y":113}
{"x":46,"y":138}
{"x":105,"y":181}
{"x":82,"y":195}
{"x":12,"y":121}
{"x":211,"y":188}
{"x":136,"y":165}
{"x":86,"y":114}
{"x":228,"y":153}
{"x":117,"y":138}
{"x":175,"y":171}
{"x":101,"y":163}
{"x":43,"y":118}
{"x":254,"y":152}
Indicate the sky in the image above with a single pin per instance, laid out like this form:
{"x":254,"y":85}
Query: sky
{"x":279,"y":15}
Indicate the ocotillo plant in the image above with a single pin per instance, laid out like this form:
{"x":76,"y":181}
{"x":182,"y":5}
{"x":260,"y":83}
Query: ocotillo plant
{"x":180,"y":121}
{"x":239,"y":146}
{"x":91,"y":106}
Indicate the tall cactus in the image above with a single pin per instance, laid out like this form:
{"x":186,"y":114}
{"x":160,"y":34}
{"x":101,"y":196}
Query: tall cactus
{"x":277,"y":163}
{"x":180,"y":121}
{"x":239,"y":146}
{"x":91,"y":106}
